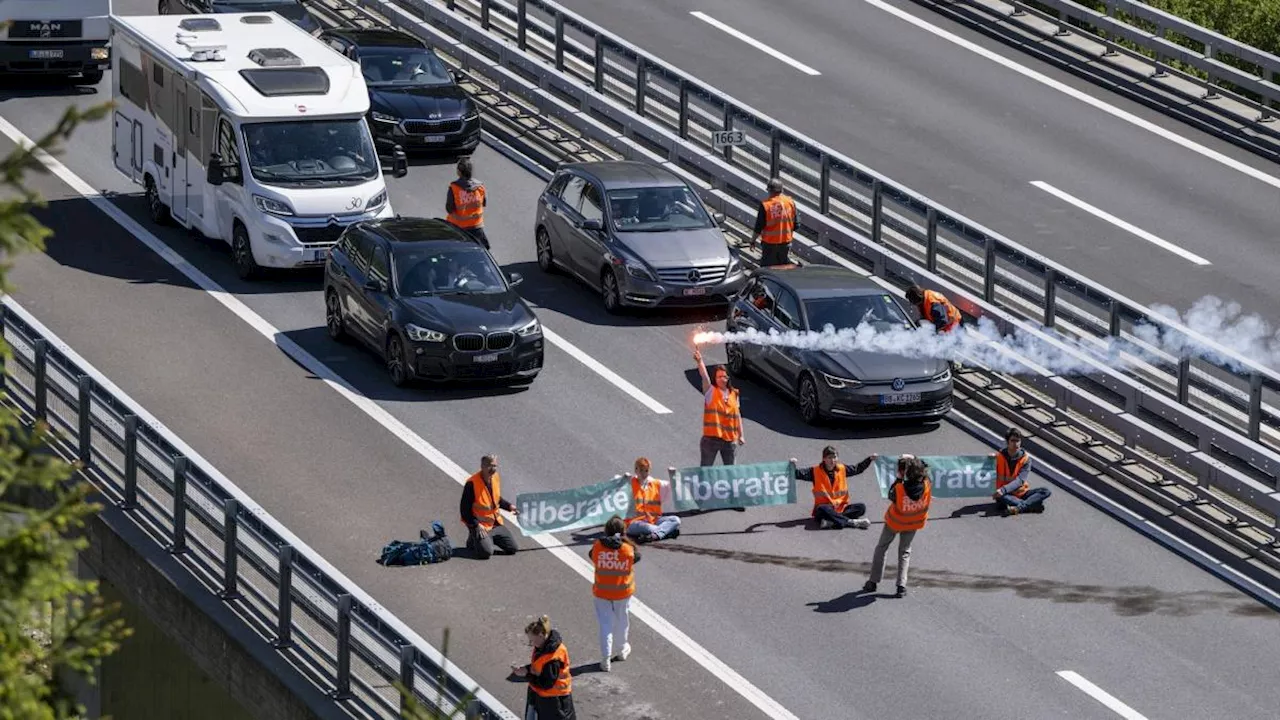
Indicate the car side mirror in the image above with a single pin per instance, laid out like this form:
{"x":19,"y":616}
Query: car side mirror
{"x":592,"y":225}
{"x":515,"y":279}
{"x":373,"y":285}
{"x":719,"y":218}
{"x":216,"y":174}
{"x":399,"y":162}
{"x":456,"y":75}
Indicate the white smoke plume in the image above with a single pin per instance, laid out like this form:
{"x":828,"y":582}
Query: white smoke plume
{"x":1223,"y":322}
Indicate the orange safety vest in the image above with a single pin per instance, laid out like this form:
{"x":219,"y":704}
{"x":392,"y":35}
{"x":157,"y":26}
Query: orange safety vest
{"x":827,"y":490}
{"x":720,"y":416}
{"x":484,"y":505}
{"x":1006,"y":474}
{"x":953,"y":315}
{"x":468,"y":206}
{"x":615,"y":571}
{"x":564,"y":682}
{"x":779,"y":220}
{"x":905,"y":514}
{"x":647,"y":501}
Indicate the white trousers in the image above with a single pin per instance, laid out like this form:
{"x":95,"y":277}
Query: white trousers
{"x":615,"y":622}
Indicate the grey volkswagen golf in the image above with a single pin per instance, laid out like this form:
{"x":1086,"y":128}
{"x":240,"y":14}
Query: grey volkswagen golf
{"x":638,"y":234}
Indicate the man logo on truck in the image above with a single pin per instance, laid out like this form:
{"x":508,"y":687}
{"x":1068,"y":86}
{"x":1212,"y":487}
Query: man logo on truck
{"x":46,"y":29}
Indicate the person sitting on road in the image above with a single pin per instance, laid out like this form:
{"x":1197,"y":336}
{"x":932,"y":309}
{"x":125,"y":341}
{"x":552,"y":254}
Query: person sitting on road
{"x":1014,"y":493}
{"x":550,"y":695}
{"x":481,"y":501}
{"x":830,"y":478}
{"x":648,"y":524}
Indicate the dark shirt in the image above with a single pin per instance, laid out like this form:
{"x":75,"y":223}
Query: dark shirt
{"x":939,"y":315}
{"x":546,"y":679}
{"x":806,"y":473}
{"x":469,"y":497}
{"x":762,"y":216}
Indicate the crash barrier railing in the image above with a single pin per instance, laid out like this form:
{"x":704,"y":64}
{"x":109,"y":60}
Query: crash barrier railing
{"x":1168,"y":48}
{"x":322,"y":623}
{"x":606,"y":89}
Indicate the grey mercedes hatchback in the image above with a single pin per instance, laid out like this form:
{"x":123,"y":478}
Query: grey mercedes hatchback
{"x":638,"y":234}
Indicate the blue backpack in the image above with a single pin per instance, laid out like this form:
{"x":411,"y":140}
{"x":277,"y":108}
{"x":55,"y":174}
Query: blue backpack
{"x":428,"y":550}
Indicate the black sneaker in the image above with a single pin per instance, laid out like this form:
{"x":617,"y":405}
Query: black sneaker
{"x":1037,"y":509}
{"x":424,"y":535}
{"x":739,"y":509}
{"x":673,"y":534}
{"x":870,"y":587}
{"x":902,"y":591}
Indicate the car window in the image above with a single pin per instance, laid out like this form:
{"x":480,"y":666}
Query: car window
{"x":657,"y":209}
{"x":557,"y":185}
{"x":786,"y":309}
{"x":592,"y":208}
{"x":402,"y":66}
{"x":361,"y":249}
{"x":454,"y":270}
{"x":380,"y":265}
{"x":229,"y":151}
{"x":880,"y":311}
{"x":572,"y":194}
{"x":761,"y":296}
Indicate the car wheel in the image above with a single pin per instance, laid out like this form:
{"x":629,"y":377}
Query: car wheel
{"x":810,"y":410}
{"x":334,"y":319}
{"x":610,"y":292}
{"x":737,"y":360}
{"x":242,"y":254}
{"x":156,"y":209}
{"x":546,"y":261}
{"x":397,"y":363}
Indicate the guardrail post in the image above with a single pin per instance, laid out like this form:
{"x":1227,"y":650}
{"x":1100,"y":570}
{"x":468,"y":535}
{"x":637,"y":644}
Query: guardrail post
{"x":1255,"y":406}
{"x":180,"y":465}
{"x":877,"y":209}
{"x":408,"y":656}
{"x":728,"y":125}
{"x":284,"y":597}
{"x":642,"y":84}
{"x":484,"y":14}
{"x":989,"y":271}
{"x":682,"y":122}
{"x":475,"y":710}
{"x":450,"y":5}
{"x":559,"y":41}
{"x":42,"y":379}
{"x":1184,"y":380}
{"x":775,"y":153}
{"x":599,"y":64}
{"x":824,"y":185}
{"x":343,"y":689}
{"x":85,"y":421}
{"x":1113,"y":323}
{"x":130,"y":500}
{"x":4,"y":370}
{"x":230,"y":550}
{"x":522,"y":24}
{"x":1050,"y":297}
{"x":931,"y":239}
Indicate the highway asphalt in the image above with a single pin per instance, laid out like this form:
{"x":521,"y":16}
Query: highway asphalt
{"x":1000,"y":605}
{"x":974,"y":135}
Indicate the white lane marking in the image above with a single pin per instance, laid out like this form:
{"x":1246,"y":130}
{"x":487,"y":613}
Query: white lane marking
{"x":1123,"y":225}
{"x":604,"y":372}
{"x":717,"y":667}
{"x":1100,"y":695}
{"x":1079,"y":95}
{"x":762,"y":47}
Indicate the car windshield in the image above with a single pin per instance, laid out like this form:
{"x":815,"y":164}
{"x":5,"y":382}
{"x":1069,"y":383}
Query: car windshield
{"x":311,"y":152}
{"x":656,"y":210}
{"x":850,"y":311}
{"x":402,"y":66}
{"x":455,"y":271}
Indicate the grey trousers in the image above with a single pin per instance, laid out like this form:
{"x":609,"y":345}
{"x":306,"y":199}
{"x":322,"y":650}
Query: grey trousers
{"x":904,"y":554}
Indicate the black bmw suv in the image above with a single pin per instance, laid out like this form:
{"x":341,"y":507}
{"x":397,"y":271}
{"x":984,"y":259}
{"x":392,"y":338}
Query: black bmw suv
{"x":432,"y":302}
{"x":414,"y":99}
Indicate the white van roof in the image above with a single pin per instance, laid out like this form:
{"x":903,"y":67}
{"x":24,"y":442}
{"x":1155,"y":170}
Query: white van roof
{"x":267,"y":67}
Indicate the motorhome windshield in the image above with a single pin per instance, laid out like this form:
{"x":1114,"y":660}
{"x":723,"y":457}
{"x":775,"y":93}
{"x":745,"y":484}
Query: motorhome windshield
{"x":311,"y":152}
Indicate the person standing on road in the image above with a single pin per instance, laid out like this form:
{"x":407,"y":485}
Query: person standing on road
{"x":830,"y":478}
{"x":615,"y":558}
{"x":465,"y":203}
{"x":481,"y":501}
{"x":550,"y":695}
{"x":1013,"y":466}
{"x":648,"y":524}
{"x":909,"y":499}
{"x":934,"y":308}
{"x":775,"y":225}
{"x":721,"y":416}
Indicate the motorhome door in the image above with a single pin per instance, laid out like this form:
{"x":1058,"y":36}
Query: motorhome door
{"x":126,"y":146}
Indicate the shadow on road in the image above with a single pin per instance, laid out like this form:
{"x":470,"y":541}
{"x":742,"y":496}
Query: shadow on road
{"x":26,"y":86}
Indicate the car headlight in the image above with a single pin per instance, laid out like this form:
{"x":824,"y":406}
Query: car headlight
{"x":636,"y":270}
{"x":275,"y":207}
{"x":99,"y":53}
{"x":532,"y":328}
{"x":421,"y":334}
{"x":377,"y":201}
{"x":471,"y":114}
{"x":734,"y":264}
{"x":839,"y":382}
{"x":383,"y":117}
{"x":941,"y":377}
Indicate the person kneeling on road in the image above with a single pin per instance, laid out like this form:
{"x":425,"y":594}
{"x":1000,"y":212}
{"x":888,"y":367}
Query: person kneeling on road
{"x":615,"y":558}
{"x":481,"y":501}
{"x":1013,"y":466}
{"x":830,"y":478}
{"x":909,"y":499}
{"x":648,"y":524}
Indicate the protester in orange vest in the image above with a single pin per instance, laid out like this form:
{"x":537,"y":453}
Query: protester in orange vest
{"x":775,"y":225}
{"x":615,"y":558}
{"x":647,"y":523}
{"x":830,"y":478}
{"x":909,"y":498}
{"x":550,"y":695}
{"x":721,"y":416}
{"x":1014,"y":493}
{"x":481,"y":501}
{"x":466,"y":202}
{"x":935,"y":308}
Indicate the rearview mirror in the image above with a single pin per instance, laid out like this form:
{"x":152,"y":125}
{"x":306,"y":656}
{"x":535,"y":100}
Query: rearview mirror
{"x":592,"y":225}
{"x":456,"y":75}
{"x":515,"y":279}
{"x":215,"y":175}
{"x":399,"y":162}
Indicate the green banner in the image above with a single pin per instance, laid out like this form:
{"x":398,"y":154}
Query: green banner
{"x":731,"y":486}
{"x":558,"y":510}
{"x":952,"y":475}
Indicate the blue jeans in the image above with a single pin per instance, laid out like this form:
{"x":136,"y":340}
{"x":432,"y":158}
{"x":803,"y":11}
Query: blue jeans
{"x":662,"y":528}
{"x":1030,"y":502}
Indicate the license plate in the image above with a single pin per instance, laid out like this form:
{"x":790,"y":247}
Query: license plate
{"x":695,"y":291}
{"x":434,"y":138}
{"x":491,"y":357}
{"x":51,"y":54}
{"x":318,"y":255}
{"x":899,"y":398}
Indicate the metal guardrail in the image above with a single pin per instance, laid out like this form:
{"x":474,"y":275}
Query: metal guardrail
{"x":322,"y":623}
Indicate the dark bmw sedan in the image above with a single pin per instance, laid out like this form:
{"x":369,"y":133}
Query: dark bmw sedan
{"x":430,"y":301}
{"x":414,"y":100}
{"x":834,"y":384}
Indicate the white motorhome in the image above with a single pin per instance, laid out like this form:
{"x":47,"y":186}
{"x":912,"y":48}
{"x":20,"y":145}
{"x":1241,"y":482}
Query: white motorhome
{"x":55,"y":37}
{"x":246,"y":129}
